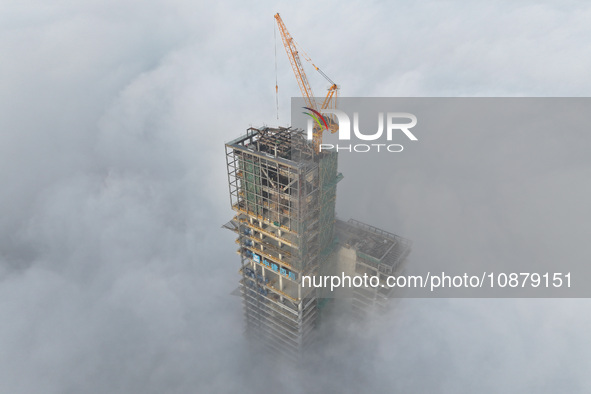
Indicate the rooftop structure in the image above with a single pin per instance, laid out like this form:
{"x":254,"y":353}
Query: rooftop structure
{"x":375,"y":253}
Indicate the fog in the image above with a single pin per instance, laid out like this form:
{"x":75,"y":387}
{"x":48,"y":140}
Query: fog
{"x":115,"y":275}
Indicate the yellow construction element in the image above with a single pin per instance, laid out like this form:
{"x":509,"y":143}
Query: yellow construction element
{"x":270,"y":234}
{"x":240,"y":209}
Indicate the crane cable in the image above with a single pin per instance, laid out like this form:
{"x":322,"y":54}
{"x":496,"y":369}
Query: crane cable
{"x":309,"y":60}
{"x":276,"y":85}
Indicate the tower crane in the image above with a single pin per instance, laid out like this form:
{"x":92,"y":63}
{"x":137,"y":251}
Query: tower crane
{"x":291,"y":47}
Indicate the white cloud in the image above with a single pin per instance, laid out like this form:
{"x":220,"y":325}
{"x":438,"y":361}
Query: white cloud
{"x":114,"y":274}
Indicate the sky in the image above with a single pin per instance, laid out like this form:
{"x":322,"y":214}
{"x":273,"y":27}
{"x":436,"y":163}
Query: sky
{"x":115,"y":275}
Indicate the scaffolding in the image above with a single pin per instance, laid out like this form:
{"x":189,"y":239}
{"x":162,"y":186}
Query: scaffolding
{"x":284,"y":197}
{"x":284,"y":194}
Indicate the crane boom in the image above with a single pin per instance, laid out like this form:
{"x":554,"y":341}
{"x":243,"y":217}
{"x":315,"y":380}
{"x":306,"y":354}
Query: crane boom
{"x":296,"y":64}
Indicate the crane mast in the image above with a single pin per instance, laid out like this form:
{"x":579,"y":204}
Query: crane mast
{"x":296,"y":64}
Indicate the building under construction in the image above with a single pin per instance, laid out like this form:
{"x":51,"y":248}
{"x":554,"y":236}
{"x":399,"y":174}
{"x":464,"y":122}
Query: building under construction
{"x":283,"y":192}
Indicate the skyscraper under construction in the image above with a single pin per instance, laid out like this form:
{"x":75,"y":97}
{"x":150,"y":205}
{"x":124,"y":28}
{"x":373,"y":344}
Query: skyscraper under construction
{"x":284,"y":192}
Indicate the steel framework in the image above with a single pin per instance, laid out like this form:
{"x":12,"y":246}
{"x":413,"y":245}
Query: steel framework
{"x":284,"y":198}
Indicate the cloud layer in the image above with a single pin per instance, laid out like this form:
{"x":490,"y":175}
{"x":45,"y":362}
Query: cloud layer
{"x":114,"y":273}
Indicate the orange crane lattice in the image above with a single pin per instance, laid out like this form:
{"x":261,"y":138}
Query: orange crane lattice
{"x":329,"y":102}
